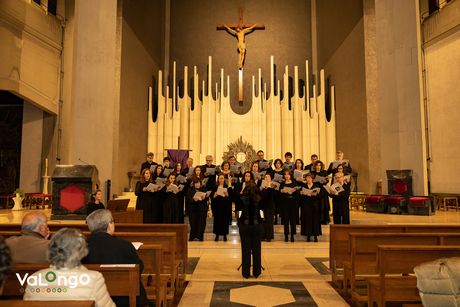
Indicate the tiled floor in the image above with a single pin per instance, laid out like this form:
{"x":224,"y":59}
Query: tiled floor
{"x":295,"y":273}
{"x":291,"y":263}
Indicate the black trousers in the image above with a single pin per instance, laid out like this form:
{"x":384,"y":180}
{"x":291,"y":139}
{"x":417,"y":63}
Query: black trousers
{"x":197,"y":219}
{"x":341,"y":211}
{"x":290,"y":215}
{"x":250,"y":236}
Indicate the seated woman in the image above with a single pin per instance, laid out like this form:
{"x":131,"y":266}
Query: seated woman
{"x":95,"y":202}
{"x":67,"y":248}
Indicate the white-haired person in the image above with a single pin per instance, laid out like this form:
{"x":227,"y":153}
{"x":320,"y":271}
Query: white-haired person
{"x":67,"y":248}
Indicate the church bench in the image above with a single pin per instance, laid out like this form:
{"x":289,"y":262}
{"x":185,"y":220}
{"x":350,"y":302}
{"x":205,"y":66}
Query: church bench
{"x":154,"y":283}
{"x":21,"y":303}
{"x":116,"y":278}
{"x":181,"y":231}
{"x":339,"y":240}
{"x":363,"y":250}
{"x":167,"y":240}
{"x":395,"y":264}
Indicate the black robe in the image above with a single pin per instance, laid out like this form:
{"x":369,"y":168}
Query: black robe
{"x":147,"y":165}
{"x":289,"y":208}
{"x":267,"y":204}
{"x":310,"y":224}
{"x":341,"y":206}
{"x":325,"y":207}
{"x":197,"y":214}
{"x":92,"y":206}
{"x":171,"y":207}
{"x":221,"y":209}
{"x":149,"y":202}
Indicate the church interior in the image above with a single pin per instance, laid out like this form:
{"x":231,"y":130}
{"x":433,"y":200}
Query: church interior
{"x":364,"y":89}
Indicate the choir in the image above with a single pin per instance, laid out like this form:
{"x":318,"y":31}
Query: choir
{"x":287,"y":192}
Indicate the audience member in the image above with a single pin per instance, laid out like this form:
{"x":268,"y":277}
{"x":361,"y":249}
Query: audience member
{"x":105,"y":248}
{"x":34,"y":235}
{"x":67,"y":248}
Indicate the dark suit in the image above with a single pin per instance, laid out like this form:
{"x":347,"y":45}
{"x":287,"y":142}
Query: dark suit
{"x":148,"y":165}
{"x":104,"y":248}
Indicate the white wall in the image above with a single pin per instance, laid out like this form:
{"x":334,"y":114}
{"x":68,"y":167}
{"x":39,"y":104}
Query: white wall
{"x":443,"y":73}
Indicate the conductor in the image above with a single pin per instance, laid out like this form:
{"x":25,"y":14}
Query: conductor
{"x":250,"y":223}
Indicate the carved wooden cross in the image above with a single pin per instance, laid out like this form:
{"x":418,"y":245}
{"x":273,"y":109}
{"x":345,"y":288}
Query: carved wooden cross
{"x":240,"y":30}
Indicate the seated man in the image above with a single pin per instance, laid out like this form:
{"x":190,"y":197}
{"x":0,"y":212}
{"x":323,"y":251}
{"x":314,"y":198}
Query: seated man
{"x":32,"y":245}
{"x":104,"y":248}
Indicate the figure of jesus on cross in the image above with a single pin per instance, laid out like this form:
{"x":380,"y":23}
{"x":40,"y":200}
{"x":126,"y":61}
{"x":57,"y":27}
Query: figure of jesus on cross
{"x":240,"y":30}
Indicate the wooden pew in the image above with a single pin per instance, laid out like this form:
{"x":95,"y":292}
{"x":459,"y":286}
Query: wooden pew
{"x":116,"y":278}
{"x":363,"y":249}
{"x":339,"y":240}
{"x":394,"y":264}
{"x":181,"y":231}
{"x":154,"y":283}
{"x":167,"y":240}
{"x":21,"y":303}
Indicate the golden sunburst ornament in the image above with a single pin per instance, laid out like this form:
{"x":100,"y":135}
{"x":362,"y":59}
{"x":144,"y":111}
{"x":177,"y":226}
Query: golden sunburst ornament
{"x":243,"y":152}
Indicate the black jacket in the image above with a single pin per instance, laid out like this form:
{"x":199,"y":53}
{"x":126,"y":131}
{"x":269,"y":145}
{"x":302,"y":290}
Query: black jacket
{"x":104,"y":248}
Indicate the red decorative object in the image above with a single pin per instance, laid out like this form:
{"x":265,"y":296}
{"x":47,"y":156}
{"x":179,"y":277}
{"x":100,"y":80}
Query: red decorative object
{"x":374,"y":199}
{"x":72,"y":198}
{"x":394,"y":200}
{"x":418,"y":200}
{"x":399,"y":186}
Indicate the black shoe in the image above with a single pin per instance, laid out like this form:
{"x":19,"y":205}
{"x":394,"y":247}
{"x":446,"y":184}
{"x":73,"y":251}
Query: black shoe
{"x":217,"y":238}
{"x":225,"y":238}
{"x":190,"y":239}
{"x":268,"y":240}
{"x":247,"y":276}
{"x":316,"y":239}
{"x":256,"y":276}
{"x":292,"y":238}
{"x":201,"y":239}
{"x":285,"y":238}
{"x":308,"y":239}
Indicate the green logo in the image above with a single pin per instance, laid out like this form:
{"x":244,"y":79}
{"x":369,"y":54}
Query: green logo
{"x":50,"y":276}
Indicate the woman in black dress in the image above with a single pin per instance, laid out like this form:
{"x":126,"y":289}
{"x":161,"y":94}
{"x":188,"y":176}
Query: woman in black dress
{"x":340,"y":202}
{"x":311,"y":214}
{"x":256,"y":173}
{"x":158,"y":173}
{"x":145,"y":199}
{"x":278,"y":173}
{"x":325,"y":207}
{"x":197,"y":211}
{"x":221,"y":206}
{"x":290,"y":205}
{"x":171,"y":200}
{"x":267,"y":204}
{"x":180,"y":197}
{"x":95,"y":203}
{"x":250,"y":225}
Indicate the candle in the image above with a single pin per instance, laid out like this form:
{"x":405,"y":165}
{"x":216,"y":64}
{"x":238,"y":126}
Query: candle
{"x":46,"y":163}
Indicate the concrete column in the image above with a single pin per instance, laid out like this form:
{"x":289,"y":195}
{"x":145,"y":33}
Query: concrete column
{"x":90,"y":132}
{"x":374,"y":172}
{"x":402,"y":141}
{"x":31,"y":149}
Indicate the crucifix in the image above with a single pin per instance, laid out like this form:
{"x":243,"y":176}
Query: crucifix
{"x":239,"y":30}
